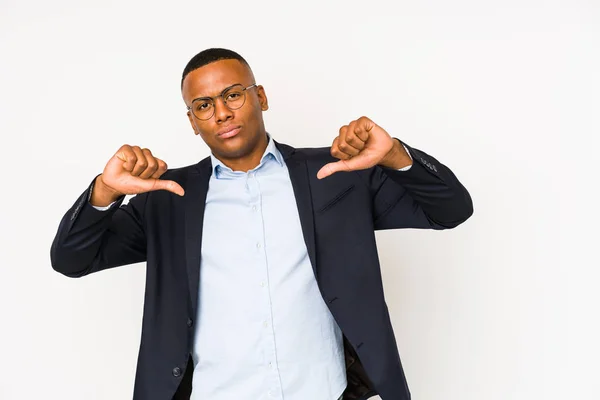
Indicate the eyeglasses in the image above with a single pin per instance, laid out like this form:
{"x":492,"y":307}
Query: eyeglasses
{"x":233,"y":97}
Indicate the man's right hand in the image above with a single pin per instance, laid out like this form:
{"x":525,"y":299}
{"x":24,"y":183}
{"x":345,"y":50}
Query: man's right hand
{"x":131,"y":170}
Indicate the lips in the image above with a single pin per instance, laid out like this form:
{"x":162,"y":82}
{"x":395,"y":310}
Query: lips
{"x":229,"y":132}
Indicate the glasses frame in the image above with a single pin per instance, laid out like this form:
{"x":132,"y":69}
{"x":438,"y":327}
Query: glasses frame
{"x":214,"y":100}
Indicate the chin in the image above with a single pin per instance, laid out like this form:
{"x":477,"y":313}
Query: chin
{"x":232,"y":151}
{"x":239,"y":146}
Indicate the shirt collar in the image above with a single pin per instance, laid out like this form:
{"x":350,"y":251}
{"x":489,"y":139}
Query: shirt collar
{"x":271,"y":153}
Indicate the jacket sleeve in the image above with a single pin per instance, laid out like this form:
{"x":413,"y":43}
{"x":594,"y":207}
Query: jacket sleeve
{"x":90,"y":240}
{"x":426,"y":196}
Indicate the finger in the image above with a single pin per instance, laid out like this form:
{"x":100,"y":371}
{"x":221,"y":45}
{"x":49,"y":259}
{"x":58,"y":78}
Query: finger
{"x":141,"y":162}
{"x":336,"y":152}
{"x":171,"y":186}
{"x":162,"y":168}
{"x":363,"y":128}
{"x":353,"y":138}
{"x":343,"y":144}
{"x":128,"y":157}
{"x":139,"y":185}
{"x":332,"y":168}
{"x":363,"y":161}
{"x":152,"y":164}
{"x":360,"y":135}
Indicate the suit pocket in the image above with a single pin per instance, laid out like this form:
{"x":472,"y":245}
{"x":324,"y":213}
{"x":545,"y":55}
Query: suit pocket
{"x":336,"y":199}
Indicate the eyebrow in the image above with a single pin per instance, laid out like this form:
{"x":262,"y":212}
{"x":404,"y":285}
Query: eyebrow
{"x":208,"y":97}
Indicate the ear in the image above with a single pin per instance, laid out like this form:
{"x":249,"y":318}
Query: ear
{"x":192,"y":122}
{"x":262,"y":98}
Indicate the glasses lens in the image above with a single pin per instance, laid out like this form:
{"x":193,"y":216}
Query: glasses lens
{"x":203,"y":108}
{"x":235,"y":97}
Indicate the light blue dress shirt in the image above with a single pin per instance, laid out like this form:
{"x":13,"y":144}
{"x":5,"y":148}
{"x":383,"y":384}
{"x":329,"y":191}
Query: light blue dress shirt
{"x":263,"y":331}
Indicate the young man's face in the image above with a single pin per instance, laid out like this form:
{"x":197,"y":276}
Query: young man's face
{"x":230,"y":134}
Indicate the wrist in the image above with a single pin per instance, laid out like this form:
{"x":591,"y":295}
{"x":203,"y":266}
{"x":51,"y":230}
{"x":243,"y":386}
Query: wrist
{"x":397,"y":157}
{"x":102,"y":194}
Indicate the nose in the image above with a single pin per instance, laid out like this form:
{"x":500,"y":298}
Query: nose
{"x":222,"y":112}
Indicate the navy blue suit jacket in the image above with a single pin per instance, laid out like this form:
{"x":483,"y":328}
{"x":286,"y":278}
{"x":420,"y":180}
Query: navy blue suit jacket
{"x":339,"y":216}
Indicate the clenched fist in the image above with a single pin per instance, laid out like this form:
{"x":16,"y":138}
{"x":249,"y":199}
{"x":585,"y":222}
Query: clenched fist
{"x":363,"y":144}
{"x":131,"y":170}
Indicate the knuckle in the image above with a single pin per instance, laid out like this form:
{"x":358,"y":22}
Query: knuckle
{"x":127,"y":150}
{"x":160,"y":163}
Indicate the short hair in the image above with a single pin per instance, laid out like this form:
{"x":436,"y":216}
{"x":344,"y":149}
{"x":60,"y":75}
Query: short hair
{"x":208,"y":56}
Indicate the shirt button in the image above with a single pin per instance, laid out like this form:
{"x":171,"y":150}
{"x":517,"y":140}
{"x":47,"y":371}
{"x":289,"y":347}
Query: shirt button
{"x":253,"y":208}
{"x":176,"y":372}
{"x":190,"y":322}
{"x":262,"y":284}
{"x":258,"y":245}
{"x":265,"y":324}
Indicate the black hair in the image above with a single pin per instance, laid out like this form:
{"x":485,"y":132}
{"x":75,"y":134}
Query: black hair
{"x":208,"y":56}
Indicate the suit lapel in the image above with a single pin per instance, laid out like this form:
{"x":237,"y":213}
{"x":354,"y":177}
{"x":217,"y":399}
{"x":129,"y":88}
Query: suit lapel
{"x":298,"y":171}
{"x":195,"y":200}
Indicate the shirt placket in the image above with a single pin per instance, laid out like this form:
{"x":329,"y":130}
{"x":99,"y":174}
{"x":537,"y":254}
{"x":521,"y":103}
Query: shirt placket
{"x":274,"y":387}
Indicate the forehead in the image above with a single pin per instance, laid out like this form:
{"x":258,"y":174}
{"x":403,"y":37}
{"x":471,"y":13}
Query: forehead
{"x":212,"y":78}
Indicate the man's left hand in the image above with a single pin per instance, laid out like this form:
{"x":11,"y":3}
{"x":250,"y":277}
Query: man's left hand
{"x":363,"y":144}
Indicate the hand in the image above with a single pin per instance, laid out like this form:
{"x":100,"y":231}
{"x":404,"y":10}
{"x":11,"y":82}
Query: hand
{"x":363,"y":144}
{"x":132,"y":171}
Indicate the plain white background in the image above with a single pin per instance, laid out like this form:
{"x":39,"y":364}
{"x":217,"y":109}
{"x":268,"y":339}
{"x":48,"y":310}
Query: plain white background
{"x":504,"y":93}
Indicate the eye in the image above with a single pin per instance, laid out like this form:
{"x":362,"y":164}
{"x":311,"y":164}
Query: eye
{"x":232,"y":96}
{"x":202,"y":105}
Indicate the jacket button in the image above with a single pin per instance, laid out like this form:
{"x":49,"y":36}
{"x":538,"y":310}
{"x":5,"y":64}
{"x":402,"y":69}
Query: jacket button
{"x":190,"y":322}
{"x":176,"y":372}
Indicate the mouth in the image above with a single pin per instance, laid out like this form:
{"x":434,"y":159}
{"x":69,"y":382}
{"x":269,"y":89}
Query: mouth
{"x":229,"y":132}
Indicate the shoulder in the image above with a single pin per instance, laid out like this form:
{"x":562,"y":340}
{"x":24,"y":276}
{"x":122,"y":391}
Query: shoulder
{"x":316,"y":153}
{"x":322,"y":154}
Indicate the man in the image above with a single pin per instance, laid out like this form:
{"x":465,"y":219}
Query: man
{"x":263,"y":280}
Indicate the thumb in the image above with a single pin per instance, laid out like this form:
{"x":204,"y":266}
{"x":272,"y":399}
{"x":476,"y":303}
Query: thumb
{"x":171,"y":186}
{"x":332,"y":168}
